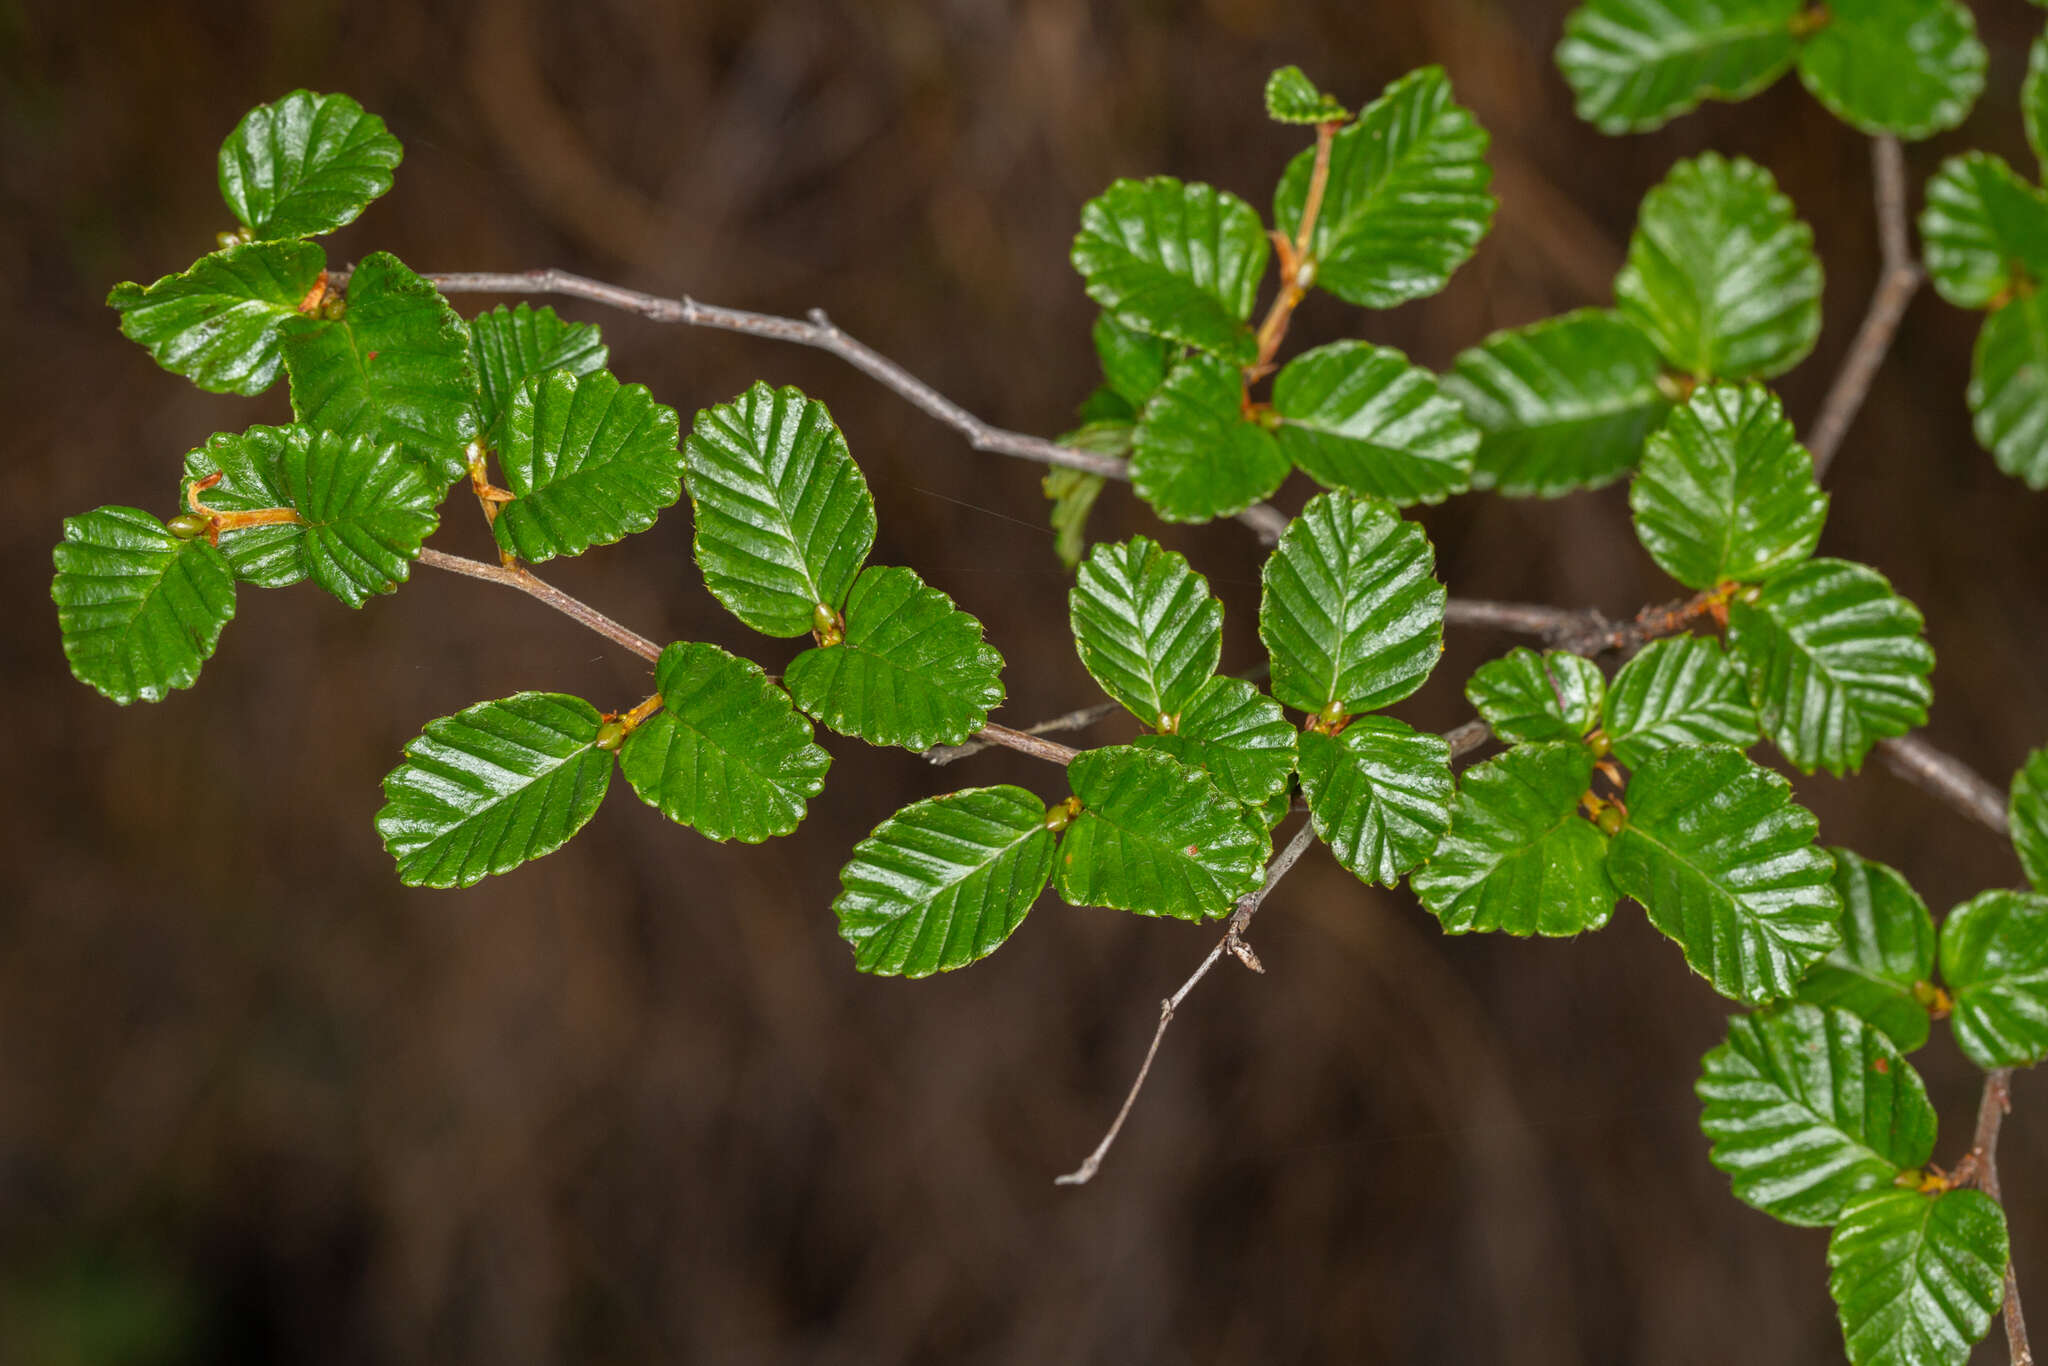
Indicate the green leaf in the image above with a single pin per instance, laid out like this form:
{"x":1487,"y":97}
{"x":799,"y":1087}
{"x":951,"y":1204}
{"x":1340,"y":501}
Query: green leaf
{"x":1723,"y":860}
{"x":1350,"y":608}
{"x":1678,"y":691}
{"x":1360,"y":417}
{"x":1237,"y":735}
{"x":1519,"y":858}
{"x":510,"y":346}
{"x":1181,"y":261}
{"x":1406,"y":200}
{"x":1562,"y":404}
{"x":1633,"y":64}
{"x":1985,"y":230}
{"x":1907,"y":67}
{"x":912,"y":671}
{"x":363,"y":508}
{"x":784,"y":518}
{"x":394,"y":367}
{"x":1379,"y":793}
{"x":944,"y":881}
{"x":140,"y":609}
{"x":1194,"y":456}
{"x":1809,"y":1109}
{"x":1292,"y":97}
{"x":1073,"y":494}
{"x":1720,"y":274}
{"x":1887,"y":950}
{"x":1917,"y":1278}
{"x":218,"y":323}
{"x":1527,"y":696}
{"x":2034,"y":99}
{"x":1835,"y":662}
{"x":1725,"y":490}
{"x":590,"y":461}
{"x":1994,"y":957}
{"x":1157,"y":837}
{"x":305,"y":165}
{"x":2027,"y":814}
{"x":726,"y":755}
{"x":1133,"y":362}
{"x":492,"y":787}
{"x":2009,"y":388}
{"x":1146,"y":627}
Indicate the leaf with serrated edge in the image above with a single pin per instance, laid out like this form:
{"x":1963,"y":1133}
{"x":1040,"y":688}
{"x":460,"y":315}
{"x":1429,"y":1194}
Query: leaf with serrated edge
{"x":1193,"y":455}
{"x":1562,"y":404}
{"x":1994,"y":959}
{"x":589,"y":460}
{"x":784,"y":518}
{"x":1360,"y":417}
{"x":1134,"y":363}
{"x":1379,"y":793}
{"x":1146,"y":626}
{"x":944,"y":881}
{"x":305,"y":165}
{"x":492,"y":787}
{"x":1678,"y":691}
{"x":1176,"y":260}
{"x":1350,"y":608}
{"x":1291,"y":97}
{"x":1526,"y":696}
{"x":1156,"y":837}
{"x":1633,"y":64}
{"x":1917,"y":1278}
{"x":2027,"y":815}
{"x":1887,"y":949}
{"x":1985,"y":230}
{"x":1237,"y":735}
{"x":140,"y":610}
{"x":1406,"y":201}
{"x":218,"y":324}
{"x":1723,"y":860}
{"x":2008,"y":391}
{"x":1808,"y":1109}
{"x":1905,"y":67}
{"x":510,"y":345}
{"x":1835,"y":662}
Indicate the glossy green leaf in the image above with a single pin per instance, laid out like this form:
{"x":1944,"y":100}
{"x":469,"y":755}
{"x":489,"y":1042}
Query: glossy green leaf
{"x":944,"y":881}
{"x":395,"y":367}
{"x":784,"y":519}
{"x":1562,"y":404}
{"x":1519,"y":857}
{"x":1720,"y":275}
{"x":913,"y":669}
{"x":1725,"y":490}
{"x":2027,"y":814}
{"x":1887,"y":950}
{"x":1723,"y":860}
{"x":1360,"y":417}
{"x":1177,"y":260}
{"x":2009,"y":388}
{"x":1406,"y":201}
{"x":726,"y":754}
{"x":1917,"y":1278}
{"x":140,"y":610}
{"x":1526,"y":696}
{"x":1146,"y":627}
{"x":1379,"y":793}
{"x":1134,"y":363}
{"x":1907,"y":67}
{"x":1994,"y":959}
{"x":590,"y":460}
{"x":1073,"y":494}
{"x":1157,"y":837}
{"x":1291,"y":97}
{"x":1678,"y":691}
{"x":218,"y":323}
{"x":1809,"y":1109}
{"x":1194,"y":456}
{"x":1835,"y":662}
{"x":492,"y":787}
{"x":305,"y":165}
{"x":510,"y":346}
{"x":2034,"y":99}
{"x":1350,"y":608}
{"x":1237,"y":735}
{"x":1985,"y":230}
{"x":1633,"y":64}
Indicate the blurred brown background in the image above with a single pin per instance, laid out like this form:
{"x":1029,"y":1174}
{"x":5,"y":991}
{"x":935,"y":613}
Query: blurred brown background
{"x":631,"y":1103}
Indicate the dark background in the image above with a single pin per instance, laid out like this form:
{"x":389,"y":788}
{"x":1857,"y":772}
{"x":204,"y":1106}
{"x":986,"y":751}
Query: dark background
{"x":631,"y":1103}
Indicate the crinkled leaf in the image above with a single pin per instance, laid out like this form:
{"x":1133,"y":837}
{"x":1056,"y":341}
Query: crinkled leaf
{"x":1146,"y":627}
{"x":1406,"y":200}
{"x":1073,"y":494}
{"x":2009,"y":388}
{"x":1194,"y":456}
{"x":784,"y":518}
{"x":944,"y":881}
{"x":1156,"y":837}
{"x":1237,"y":735}
{"x":1887,"y":950}
{"x":1633,"y":64}
{"x":1985,"y":230}
{"x":1723,"y":860}
{"x":2027,"y":814}
{"x":1720,"y":274}
{"x":1907,"y":67}
{"x":305,"y":165}
{"x":1678,"y":691}
{"x":218,"y":323}
{"x":726,"y":754}
{"x":1994,"y":959}
{"x":1360,"y":417}
{"x":590,"y":460}
{"x":1291,"y":97}
{"x":140,"y":609}
{"x":1134,"y":363}
{"x":510,"y":346}
{"x":1350,"y":608}
{"x":913,"y":669}
{"x":1562,"y":404}
{"x":1519,"y":858}
{"x":492,"y":787}
{"x":1379,"y":793}
{"x":1835,"y":662}
{"x":1526,"y":696}
{"x":1177,"y":260}
{"x":1809,"y":1109}
{"x":1917,"y":1278}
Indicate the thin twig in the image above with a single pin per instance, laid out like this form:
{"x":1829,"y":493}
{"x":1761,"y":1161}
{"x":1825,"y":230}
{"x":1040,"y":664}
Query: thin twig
{"x":513,"y":576}
{"x":1079,"y":719}
{"x":1980,"y":1167}
{"x":1947,"y":777}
